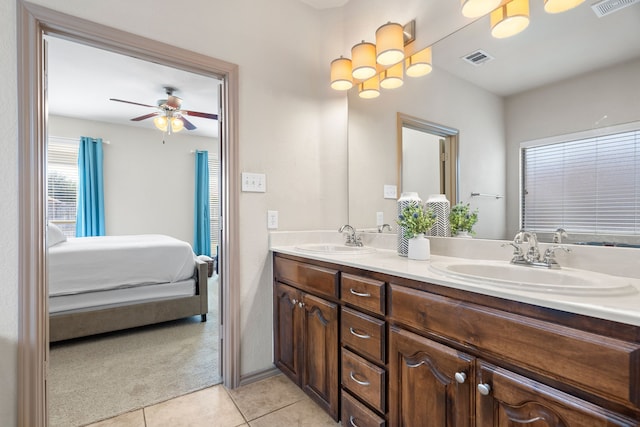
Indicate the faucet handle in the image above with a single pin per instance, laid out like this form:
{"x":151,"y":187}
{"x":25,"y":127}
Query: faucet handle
{"x":549,"y":255}
{"x":517,"y":251}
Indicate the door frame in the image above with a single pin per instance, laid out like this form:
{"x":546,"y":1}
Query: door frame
{"x":33,"y":22}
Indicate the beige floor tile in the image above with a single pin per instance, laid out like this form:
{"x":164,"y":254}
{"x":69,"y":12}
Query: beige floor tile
{"x":259,"y":398}
{"x":211,"y":407}
{"x":130,"y":419}
{"x":304,"y":413}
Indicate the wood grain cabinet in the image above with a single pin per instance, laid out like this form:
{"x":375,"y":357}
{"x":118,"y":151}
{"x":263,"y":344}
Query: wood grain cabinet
{"x":306,"y":339}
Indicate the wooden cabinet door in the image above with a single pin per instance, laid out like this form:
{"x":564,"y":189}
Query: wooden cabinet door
{"x":287,"y":320}
{"x":320,"y":350}
{"x":424,"y":390}
{"x":511,"y":400}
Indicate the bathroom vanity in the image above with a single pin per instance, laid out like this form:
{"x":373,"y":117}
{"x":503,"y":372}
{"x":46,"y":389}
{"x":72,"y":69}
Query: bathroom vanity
{"x":378,"y":340}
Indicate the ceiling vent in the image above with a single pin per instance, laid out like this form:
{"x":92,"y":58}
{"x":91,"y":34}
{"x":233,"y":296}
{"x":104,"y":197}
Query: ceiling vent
{"x":478,"y":57}
{"x":607,"y":7}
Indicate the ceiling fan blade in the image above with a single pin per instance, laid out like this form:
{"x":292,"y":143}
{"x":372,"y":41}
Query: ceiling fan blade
{"x":130,"y":102}
{"x":198,"y":114}
{"x":187,"y":123}
{"x":146,"y":116}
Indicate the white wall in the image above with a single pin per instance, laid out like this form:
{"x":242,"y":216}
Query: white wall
{"x":440,"y":98}
{"x":572,"y":105}
{"x":291,"y":127}
{"x":149,"y":186}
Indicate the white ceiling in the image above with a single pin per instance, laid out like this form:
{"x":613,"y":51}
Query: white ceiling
{"x":554,"y":47}
{"x":325,"y":4}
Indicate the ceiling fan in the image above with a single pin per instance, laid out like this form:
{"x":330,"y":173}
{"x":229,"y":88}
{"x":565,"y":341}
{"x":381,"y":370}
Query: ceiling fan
{"x":169,"y":117}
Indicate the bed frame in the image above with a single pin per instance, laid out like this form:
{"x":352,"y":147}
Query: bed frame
{"x":64,"y":326}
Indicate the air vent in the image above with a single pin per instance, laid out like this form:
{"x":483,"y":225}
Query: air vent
{"x":478,"y":57}
{"x":607,"y":7}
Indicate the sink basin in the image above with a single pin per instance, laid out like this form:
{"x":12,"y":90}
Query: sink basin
{"x":565,"y":281}
{"x":331,"y":249}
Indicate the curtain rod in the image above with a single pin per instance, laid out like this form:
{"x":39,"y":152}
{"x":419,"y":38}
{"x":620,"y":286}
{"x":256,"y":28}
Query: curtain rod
{"x":66,"y":138}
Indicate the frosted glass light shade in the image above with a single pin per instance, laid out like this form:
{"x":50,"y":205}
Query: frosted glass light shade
{"x":369,"y":88}
{"x":557,"y":6}
{"x":392,"y":77}
{"x":389,"y":44}
{"x":161,"y":123}
{"x":363,"y":60}
{"x":341,"y":78}
{"x":478,"y":8}
{"x":510,"y":19}
{"x":176,"y":124}
{"x":419,"y":64}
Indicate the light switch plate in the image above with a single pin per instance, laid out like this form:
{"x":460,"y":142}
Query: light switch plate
{"x":254,"y":182}
{"x":390,"y":192}
{"x":272,"y":220}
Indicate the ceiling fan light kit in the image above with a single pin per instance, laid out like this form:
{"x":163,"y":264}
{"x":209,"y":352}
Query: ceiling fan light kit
{"x":169,"y":117}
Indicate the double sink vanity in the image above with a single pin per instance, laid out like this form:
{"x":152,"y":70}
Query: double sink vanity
{"x":465,"y":339}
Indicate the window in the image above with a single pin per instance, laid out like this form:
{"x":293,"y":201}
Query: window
{"x":214,"y":200}
{"x":62,"y":182}
{"x":585,"y":183}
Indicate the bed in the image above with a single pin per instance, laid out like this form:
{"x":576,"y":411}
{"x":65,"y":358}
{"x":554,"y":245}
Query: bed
{"x":109,"y":283}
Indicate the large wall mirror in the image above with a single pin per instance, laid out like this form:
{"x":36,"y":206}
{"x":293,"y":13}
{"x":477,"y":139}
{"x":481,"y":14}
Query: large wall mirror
{"x":565,"y":73}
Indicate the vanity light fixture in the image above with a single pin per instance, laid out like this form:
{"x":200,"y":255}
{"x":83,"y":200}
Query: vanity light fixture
{"x":382,"y":64}
{"x":557,"y":6}
{"x":478,"y":8}
{"x":369,"y":89}
{"x":363,"y":60}
{"x":510,"y":19}
{"x":341,"y":78}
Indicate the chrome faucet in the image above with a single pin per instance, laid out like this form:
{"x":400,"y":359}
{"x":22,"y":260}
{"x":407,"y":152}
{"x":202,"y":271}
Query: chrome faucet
{"x":382,"y":227}
{"x":532,"y":256}
{"x":559,"y":234}
{"x":352,"y":238}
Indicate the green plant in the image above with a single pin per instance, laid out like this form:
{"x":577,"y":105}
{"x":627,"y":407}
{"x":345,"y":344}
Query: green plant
{"x":414,"y":220}
{"x":462,"y":219}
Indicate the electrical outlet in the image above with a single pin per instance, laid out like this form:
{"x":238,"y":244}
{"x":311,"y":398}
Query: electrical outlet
{"x":390,"y":192}
{"x":272,"y":220}
{"x":379,"y":218}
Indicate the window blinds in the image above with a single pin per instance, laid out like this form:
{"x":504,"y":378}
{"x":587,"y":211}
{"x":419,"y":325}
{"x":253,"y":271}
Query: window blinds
{"x":214,"y":200}
{"x":589,"y":185}
{"x":62,"y":182}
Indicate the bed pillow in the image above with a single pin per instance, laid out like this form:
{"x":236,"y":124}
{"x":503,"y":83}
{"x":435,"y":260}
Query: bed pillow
{"x":54,"y":235}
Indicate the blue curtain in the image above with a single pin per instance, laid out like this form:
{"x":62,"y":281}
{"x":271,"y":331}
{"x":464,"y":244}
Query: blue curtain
{"x":202,"y":226}
{"x":90,"y":201}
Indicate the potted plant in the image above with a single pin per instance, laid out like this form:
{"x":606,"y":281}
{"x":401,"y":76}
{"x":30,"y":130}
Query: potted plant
{"x":415,"y":221}
{"x":462,"y":220}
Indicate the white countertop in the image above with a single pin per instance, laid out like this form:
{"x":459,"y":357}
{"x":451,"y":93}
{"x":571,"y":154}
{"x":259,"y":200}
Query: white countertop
{"x":620,"y":308}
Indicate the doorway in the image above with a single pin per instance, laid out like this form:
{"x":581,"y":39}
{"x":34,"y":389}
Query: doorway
{"x":34,"y":23}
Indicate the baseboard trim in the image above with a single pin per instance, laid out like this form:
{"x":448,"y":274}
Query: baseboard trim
{"x":259,"y":375}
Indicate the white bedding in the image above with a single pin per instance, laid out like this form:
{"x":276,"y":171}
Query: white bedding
{"x":89,"y":264}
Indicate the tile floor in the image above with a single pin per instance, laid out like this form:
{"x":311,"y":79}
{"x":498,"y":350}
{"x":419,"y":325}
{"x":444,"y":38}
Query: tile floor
{"x":273,"y":402}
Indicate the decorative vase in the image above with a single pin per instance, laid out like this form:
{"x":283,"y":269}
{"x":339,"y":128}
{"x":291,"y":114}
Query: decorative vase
{"x":441,"y":207}
{"x":419,"y":248}
{"x":405,"y":200}
{"x":464,"y":233}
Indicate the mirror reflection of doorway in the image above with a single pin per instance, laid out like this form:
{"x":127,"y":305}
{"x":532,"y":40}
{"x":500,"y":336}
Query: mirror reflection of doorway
{"x":149,"y":181}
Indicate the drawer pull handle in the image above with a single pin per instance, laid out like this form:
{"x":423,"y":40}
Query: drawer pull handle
{"x":484,"y":389}
{"x":363,"y":336}
{"x":352,"y":421}
{"x":359,"y":294}
{"x":353,"y":377}
{"x":461,"y":377}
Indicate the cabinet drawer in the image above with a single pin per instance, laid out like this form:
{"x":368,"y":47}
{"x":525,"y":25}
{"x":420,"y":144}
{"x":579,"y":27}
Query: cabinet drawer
{"x":364,"y":293}
{"x":316,"y":280}
{"x":364,"y":379}
{"x":363,"y":334}
{"x":599,"y":364}
{"x":355,"y":414}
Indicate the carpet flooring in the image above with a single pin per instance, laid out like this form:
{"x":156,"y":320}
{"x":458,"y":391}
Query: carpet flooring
{"x":95,"y":378}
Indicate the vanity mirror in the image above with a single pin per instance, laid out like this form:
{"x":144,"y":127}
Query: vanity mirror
{"x":565,"y":73}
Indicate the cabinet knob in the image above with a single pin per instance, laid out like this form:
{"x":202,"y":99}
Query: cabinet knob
{"x":300,"y":304}
{"x":461,"y":377}
{"x":352,"y":421}
{"x":353,"y":377}
{"x":484,"y":389}
{"x":294,"y":301}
